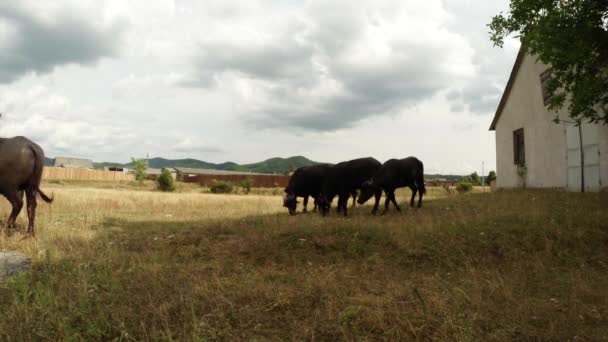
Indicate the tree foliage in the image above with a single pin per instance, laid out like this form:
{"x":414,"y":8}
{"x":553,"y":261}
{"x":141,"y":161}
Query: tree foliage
{"x":139,"y":167}
{"x":475,"y":178}
{"x":246,"y":184}
{"x":220,"y":187}
{"x":491,"y":177}
{"x":165,"y":181}
{"x":572,"y":37}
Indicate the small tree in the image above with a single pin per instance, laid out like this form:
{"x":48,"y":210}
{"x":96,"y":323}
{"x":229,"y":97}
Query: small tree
{"x":246,"y":184}
{"x":140,"y":166}
{"x":475,"y":178}
{"x":491,"y":177}
{"x":165,"y":181}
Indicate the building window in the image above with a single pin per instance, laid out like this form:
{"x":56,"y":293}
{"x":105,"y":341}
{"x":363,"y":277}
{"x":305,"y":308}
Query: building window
{"x":519,"y":151}
{"x":545,"y":77}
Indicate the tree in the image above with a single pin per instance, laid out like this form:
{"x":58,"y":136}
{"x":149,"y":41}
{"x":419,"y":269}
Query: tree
{"x":246,"y":184}
{"x":140,"y":166}
{"x":165,"y":181}
{"x":570,"y":36}
{"x":475,"y":178}
{"x":491,"y":177}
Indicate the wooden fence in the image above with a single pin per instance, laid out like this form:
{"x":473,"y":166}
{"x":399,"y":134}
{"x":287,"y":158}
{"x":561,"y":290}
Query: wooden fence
{"x":84,"y":174}
{"x":259,"y":181}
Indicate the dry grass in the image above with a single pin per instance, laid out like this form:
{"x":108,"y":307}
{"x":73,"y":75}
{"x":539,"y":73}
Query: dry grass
{"x":139,"y":265}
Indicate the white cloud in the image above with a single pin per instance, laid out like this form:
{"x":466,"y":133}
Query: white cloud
{"x":244,"y":81}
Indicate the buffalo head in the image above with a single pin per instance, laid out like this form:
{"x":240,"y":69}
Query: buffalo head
{"x":290,"y":202}
{"x":368,"y":189}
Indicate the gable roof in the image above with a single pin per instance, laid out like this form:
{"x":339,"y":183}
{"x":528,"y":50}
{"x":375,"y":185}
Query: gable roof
{"x":74,"y":163}
{"x":508,"y":87}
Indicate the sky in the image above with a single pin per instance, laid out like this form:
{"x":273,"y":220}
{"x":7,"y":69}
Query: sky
{"x":244,"y":81}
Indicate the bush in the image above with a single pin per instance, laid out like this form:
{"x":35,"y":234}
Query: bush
{"x":463,"y":187}
{"x":220,"y":187}
{"x":246,"y":184}
{"x":139,"y":167}
{"x":165,"y":181}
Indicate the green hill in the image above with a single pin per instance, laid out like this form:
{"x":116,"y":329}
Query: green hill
{"x":272,"y":165}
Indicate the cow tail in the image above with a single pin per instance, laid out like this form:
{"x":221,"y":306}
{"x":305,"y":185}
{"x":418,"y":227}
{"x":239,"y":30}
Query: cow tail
{"x":420,"y":180}
{"x":37,"y":176}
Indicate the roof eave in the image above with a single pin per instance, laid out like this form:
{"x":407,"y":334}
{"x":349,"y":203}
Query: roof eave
{"x":507,"y":91}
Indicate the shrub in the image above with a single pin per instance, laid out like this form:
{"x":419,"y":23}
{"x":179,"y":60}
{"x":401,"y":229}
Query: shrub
{"x":246,"y":184}
{"x":165,"y":181}
{"x":139,"y":167}
{"x":220,"y":187}
{"x":463,"y":187}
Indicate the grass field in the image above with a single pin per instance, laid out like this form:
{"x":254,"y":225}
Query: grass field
{"x":119,"y":261}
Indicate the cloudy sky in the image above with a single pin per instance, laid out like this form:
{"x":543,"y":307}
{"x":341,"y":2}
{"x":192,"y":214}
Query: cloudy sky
{"x":243,"y":81}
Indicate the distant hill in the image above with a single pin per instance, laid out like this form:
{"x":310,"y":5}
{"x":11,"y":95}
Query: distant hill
{"x":272,"y":165}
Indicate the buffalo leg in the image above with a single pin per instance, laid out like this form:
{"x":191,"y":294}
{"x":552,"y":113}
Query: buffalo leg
{"x":387,"y":202}
{"x":16,"y":200}
{"x":394,"y":200}
{"x":377,"y":197}
{"x":31,"y":209}
{"x":343,"y":201}
{"x":305,"y":203}
{"x":414,"y":189}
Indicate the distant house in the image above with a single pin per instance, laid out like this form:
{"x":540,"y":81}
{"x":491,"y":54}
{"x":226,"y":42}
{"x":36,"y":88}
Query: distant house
{"x":73,"y":163}
{"x":532,"y":150}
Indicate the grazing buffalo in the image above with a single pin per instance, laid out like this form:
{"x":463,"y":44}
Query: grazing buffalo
{"x":21,"y":163}
{"x":393,"y":174}
{"x":345,"y":178}
{"x":304,"y":182}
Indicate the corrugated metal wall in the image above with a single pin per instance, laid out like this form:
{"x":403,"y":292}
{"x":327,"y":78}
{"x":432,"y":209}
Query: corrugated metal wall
{"x":83,"y":174}
{"x":259,"y":181}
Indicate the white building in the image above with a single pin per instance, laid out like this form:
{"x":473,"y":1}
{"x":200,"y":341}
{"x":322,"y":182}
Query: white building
{"x":527,"y":136}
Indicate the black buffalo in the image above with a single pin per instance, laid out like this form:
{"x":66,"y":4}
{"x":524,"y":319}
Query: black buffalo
{"x":21,"y":163}
{"x":345,"y":178}
{"x":304,"y":182}
{"x":395,"y":173}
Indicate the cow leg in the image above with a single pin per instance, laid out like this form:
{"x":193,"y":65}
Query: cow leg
{"x":377,"y":196}
{"x":30,"y":195}
{"x":343,"y":202}
{"x":305,"y":203}
{"x":414,"y":189}
{"x":354,"y":194}
{"x":315,"y":204}
{"x":387,"y":202}
{"x":16,"y":200}
{"x":419,"y":199}
{"x":394,"y":200}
